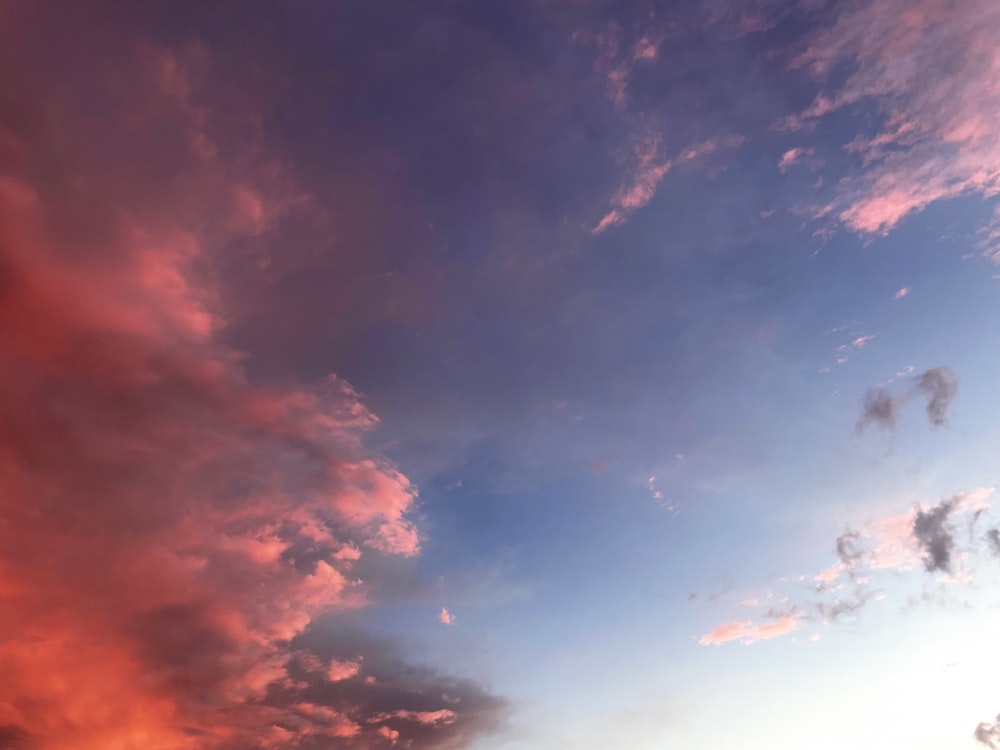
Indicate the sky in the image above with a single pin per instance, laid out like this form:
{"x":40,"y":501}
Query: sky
{"x":441,"y":375}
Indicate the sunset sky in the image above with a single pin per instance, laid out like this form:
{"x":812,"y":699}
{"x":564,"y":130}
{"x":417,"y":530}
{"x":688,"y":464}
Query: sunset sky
{"x":499,"y":374}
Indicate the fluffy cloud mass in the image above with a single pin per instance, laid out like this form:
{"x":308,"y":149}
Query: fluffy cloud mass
{"x":170,"y":532}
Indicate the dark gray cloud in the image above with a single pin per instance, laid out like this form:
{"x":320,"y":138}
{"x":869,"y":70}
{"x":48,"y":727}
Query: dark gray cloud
{"x":935,"y":536}
{"x":940,"y":386}
{"x":989,"y":734}
{"x":883,"y":409}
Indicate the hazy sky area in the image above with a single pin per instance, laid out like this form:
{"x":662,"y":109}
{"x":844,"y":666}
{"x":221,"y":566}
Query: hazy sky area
{"x":499,"y":374}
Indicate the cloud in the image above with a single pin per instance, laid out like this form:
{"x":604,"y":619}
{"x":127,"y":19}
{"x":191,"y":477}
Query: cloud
{"x":747,"y":633}
{"x":446,"y":617}
{"x":988,"y":734}
{"x":936,"y":139}
{"x":794,"y":156}
{"x":845,"y":352}
{"x":935,"y":535}
{"x":174,"y":531}
{"x":901,"y":292}
{"x":881,"y":409}
{"x":342,"y":670}
{"x":940,"y":386}
{"x":647,"y":160}
{"x":993,"y":540}
{"x":895,"y":543}
{"x":646,"y":172}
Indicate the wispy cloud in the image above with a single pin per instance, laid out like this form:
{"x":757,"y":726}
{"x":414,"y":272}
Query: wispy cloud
{"x":901,"y":292}
{"x":937,"y":139}
{"x":446,"y":617}
{"x":845,"y":352}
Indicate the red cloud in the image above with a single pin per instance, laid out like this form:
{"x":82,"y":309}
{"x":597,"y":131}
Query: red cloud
{"x":170,"y":530}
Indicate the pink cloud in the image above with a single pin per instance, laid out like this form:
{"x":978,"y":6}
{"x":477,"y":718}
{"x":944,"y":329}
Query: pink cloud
{"x":845,"y":352}
{"x":390,"y":734}
{"x":647,"y":48}
{"x":446,"y":617}
{"x":938,"y":140}
{"x":747,"y":633}
{"x":829,"y":575}
{"x":342,"y":670}
{"x":647,"y":170}
{"x":900,"y":293}
{"x":792,"y":157}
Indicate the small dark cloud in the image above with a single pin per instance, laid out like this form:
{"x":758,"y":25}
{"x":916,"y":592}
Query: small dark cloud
{"x":882,"y":409}
{"x":935,"y":536}
{"x":848,"y":547}
{"x":993,"y":540}
{"x":940,"y":386}
{"x":989,"y":734}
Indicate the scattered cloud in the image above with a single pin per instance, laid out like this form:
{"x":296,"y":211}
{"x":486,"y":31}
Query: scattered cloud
{"x":446,"y":617}
{"x":657,"y":494}
{"x":845,"y":352}
{"x":896,"y":544}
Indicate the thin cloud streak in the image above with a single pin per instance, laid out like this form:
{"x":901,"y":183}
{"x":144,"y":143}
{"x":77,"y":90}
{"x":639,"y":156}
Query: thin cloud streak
{"x":748,"y":633}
